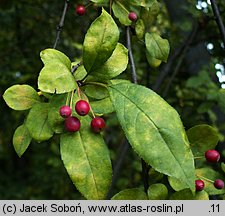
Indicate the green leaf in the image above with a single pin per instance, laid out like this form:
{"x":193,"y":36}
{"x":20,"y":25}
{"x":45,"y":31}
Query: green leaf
{"x":212,"y":175}
{"x":103,"y":106}
{"x":186,"y":194}
{"x":100,"y":1}
{"x":221,"y":99}
{"x":205,"y":107}
{"x":130,"y":194}
{"x":114,"y":66}
{"x":140,"y":28}
{"x":223,"y":166}
{"x":143,"y":3}
{"x":80,"y":73}
{"x":157,"y":47}
{"x":117,"y":81}
{"x":100,"y":41}
{"x":37,"y":122}
{"x":21,"y":97}
{"x":95,"y":91}
{"x":55,"y":120}
{"x":49,"y":56}
{"x":154,"y":130}
{"x":153,"y":62}
{"x":157,"y":192}
{"x":86,"y":158}
{"x":149,"y":15}
{"x":56,"y":78}
{"x":121,"y":12}
{"x":201,"y":138}
{"x":21,"y":139}
{"x":176,"y":184}
{"x":154,"y":176}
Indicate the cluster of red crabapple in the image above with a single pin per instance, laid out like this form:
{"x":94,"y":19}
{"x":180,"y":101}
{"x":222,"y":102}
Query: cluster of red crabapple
{"x":82,"y":108}
{"x":212,"y":156}
{"x":81,"y":10}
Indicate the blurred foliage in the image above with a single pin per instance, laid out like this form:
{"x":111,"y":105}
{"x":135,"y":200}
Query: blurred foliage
{"x":27,"y":27}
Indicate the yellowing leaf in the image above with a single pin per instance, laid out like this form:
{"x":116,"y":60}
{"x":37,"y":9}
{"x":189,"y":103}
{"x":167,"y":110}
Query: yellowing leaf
{"x":154,"y":130}
{"x":100,"y":41}
{"x":87,"y":161}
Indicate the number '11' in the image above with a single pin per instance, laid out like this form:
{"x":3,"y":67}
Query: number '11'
{"x":215,"y":208}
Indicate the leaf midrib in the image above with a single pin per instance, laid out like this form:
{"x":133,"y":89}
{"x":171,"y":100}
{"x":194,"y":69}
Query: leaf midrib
{"x":89,"y":163}
{"x":44,"y":123}
{"x":153,"y":124}
{"x":25,"y":130}
{"x":98,"y":49}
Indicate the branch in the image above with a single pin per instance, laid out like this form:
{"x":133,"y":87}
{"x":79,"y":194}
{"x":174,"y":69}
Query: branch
{"x":110,"y":6}
{"x":171,"y":60}
{"x":131,"y":58}
{"x":145,"y":166}
{"x":183,"y":53}
{"x":218,"y":20}
{"x":117,"y":165}
{"x":74,"y":68}
{"x":61,"y":24}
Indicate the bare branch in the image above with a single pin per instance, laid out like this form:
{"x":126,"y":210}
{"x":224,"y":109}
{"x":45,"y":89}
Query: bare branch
{"x":145,"y":166}
{"x":131,"y":58}
{"x":178,"y":53}
{"x":61,"y":24}
{"x":182,"y":55}
{"x":218,"y":20}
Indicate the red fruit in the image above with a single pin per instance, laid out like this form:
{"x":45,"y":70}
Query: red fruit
{"x":199,"y":185}
{"x":132,"y":16}
{"x":65,"y":111}
{"x":212,"y":156}
{"x":80,"y":10}
{"x":82,"y":107}
{"x":97,"y":124}
{"x":219,"y":184}
{"x":72,"y":124}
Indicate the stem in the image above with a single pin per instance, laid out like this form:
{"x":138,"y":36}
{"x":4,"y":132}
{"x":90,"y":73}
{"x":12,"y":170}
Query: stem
{"x":71,"y":99}
{"x":218,"y":20}
{"x":123,"y":151}
{"x":200,"y":157}
{"x":78,"y":92}
{"x":67,"y":98}
{"x":61,"y":24}
{"x":145,"y":166}
{"x":110,"y":7}
{"x":74,"y":68}
{"x":202,"y":177}
{"x":183,"y":53}
{"x":92,"y":112}
{"x":171,"y":60}
{"x":131,"y":58}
